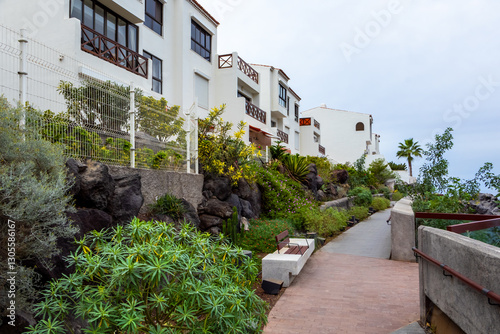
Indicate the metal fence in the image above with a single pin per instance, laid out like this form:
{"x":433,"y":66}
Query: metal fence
{"x":95,"y":116}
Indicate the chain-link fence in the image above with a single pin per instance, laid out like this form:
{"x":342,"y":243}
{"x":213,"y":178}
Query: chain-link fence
{"x":90,"y":112}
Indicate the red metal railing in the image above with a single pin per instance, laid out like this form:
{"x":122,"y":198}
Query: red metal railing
{"x":305,"y":121}
{"x":226,"y":61}
{"x":488,"y":293}
{"x":316,"y":124}
{"x":322,"y":150}
{"x":109,"y":50}
{"x":282,"y":136}
{"x":480,"y":222}
{"x":255,"y":112}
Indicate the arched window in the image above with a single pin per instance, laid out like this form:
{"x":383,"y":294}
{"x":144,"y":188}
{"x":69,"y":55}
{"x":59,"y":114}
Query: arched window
{"x":360,"y":126}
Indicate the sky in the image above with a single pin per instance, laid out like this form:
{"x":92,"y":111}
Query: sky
{"x":417,"y":67}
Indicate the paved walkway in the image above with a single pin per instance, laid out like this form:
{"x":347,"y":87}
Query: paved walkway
{"x":345,"y":288}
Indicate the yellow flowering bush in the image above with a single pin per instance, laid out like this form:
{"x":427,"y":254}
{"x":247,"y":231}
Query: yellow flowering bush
{"x":221,"y":153}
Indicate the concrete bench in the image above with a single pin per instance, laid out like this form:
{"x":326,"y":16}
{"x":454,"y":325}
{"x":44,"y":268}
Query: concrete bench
{"x":285,"y":267}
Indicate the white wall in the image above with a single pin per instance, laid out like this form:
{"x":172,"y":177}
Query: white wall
{"x":342,"y":142}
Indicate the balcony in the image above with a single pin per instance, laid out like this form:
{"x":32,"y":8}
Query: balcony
{"x":113,"y":52}
{"x":282,"y":136}
{"x":226,"y":61}
{"x":305,"y":121}
{"x":255,"y":112}
{"x":322,"y":150}
{"x":316,"y":124}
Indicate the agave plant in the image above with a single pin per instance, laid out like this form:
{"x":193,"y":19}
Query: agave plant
{"x":278,"y":151}
{"x":296,"y":166}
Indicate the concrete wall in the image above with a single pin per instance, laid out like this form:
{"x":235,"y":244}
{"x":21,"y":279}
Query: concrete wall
{"x":344,"y":203}
{"x":466,"y":307}
{"x":158,"y":182}
{"x":402,"y":231}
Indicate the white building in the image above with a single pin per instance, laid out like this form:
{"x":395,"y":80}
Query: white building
{"x":349,"y":134}
{"x":117,"y":38}
{"x":165,"y":48}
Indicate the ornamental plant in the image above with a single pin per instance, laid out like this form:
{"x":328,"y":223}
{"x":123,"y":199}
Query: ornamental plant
{"x":147,"y":277}
{"x":260,"y":237}
{"x":221,"y":153}
{"x":363,"y":196}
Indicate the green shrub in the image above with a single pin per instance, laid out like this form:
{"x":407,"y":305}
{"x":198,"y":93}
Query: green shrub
{"x":380,"y":203}
{"x":147,"y":277}
{"x":325,"y":223}
{"x":360,"y":212}
{"x":363,"y":196}
{"x":260,"y":237}
{"x":230,"y":228}
{"x":33,"y":194}
{"x":168,"y":205}
{"x":281,"y":196}
{"x":386,"y":191}
{"x":396,"y":196}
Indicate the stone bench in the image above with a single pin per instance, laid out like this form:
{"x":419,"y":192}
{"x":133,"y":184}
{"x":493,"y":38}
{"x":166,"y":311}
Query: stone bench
{"x":285,"y":267}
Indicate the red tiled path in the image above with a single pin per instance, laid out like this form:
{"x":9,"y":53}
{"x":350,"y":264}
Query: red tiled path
{"x":340,"y":293}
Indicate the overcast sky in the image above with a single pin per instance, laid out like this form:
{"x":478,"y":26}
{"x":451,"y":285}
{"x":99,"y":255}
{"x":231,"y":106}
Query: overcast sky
{"x":416,"y":66}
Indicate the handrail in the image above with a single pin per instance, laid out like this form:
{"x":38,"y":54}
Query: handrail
{"x":481,"y":222}
{"x":255,"y":112}
{"x":322,"y":150}
{"x":488,"y":293}
{"x":283,"y":136}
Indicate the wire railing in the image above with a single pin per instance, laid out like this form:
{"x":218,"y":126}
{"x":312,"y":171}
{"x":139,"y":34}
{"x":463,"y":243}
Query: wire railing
{"x":91,"y":113}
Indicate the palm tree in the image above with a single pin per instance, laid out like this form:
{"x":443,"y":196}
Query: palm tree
{"x":409,"y":150}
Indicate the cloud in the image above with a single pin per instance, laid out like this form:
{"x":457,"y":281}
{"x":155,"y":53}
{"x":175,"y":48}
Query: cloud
{"x":428,"y":58}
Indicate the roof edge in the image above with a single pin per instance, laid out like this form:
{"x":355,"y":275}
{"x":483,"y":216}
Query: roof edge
{"x":204,"y":12}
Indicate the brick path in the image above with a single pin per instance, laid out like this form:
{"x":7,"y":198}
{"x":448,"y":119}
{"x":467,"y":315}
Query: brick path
{"x":352,"y":294}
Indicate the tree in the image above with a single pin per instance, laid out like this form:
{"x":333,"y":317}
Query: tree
{"x":381,"y":171}
{"x":160,"y":121}
{"x":409,"y":150}
{"x":98,"y":104}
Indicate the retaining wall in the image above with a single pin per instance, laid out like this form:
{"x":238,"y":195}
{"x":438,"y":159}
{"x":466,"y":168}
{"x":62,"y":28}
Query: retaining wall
{"x":480,"y":262}
{"x":158,"y":182}
{"x":402,"y":231}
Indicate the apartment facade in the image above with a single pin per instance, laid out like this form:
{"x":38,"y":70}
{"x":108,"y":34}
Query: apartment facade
{"x":167,"y":49}
{"x":349,"y":134}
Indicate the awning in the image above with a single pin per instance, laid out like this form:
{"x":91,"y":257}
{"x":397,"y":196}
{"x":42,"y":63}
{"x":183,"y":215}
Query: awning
{"x":259,"y":137}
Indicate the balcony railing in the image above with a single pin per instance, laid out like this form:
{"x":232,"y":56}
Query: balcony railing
{"x":305,"y":121}
{"x":316,"y":124}
{"x":255,"y":112}
{"x":283,"y":136}
{"x":322,"y":150}
{"x":226,"y":61}
{"x":117,"y":54}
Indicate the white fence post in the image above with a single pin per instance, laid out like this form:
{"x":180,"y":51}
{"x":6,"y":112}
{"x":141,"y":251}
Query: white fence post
{"x":23,"y":75}
{"x":132,"y":125}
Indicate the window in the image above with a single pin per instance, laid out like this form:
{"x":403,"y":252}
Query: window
{"x":360,"y":126}
{"x":273,"y":124}
{"x":99,"y":18}
{"x":201,"y":90}
{"x":154,"y":15}
{"x":201,"y":41}
{"x":296,"y":113}
{"x":157,"y":72}
{"x":297,"y":140}
{"x":240,"y":94}
{"x":282,"y":96}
